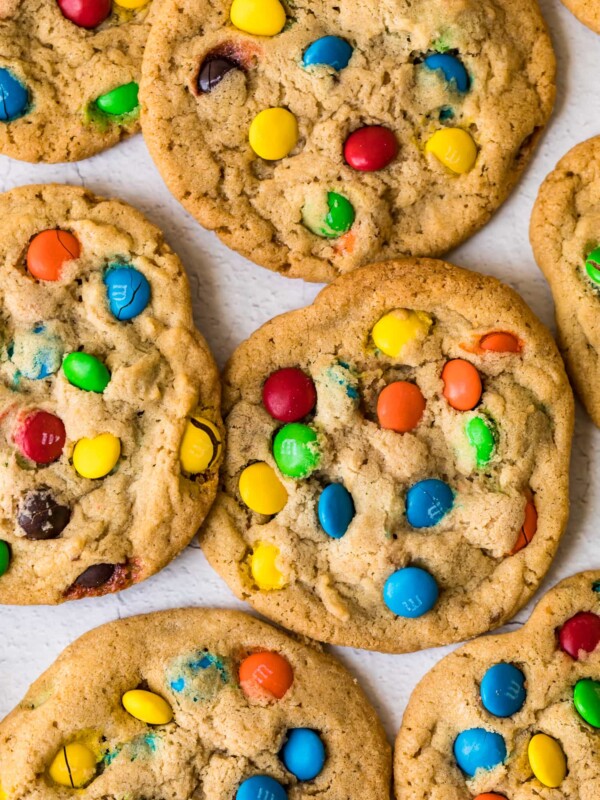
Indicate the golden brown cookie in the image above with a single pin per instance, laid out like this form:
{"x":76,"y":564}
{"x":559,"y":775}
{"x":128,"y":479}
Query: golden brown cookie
{"x":397,"y":467}
{"x":193,"y":703}
{"x":586,"y":11}
{"x":515,"y":716}
{"x":110,"y":434}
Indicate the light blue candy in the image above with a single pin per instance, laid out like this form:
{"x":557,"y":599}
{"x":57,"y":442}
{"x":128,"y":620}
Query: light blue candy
{"x":127,"y":290}
{"x":329,"y":51}
{"x":303,"y":753}
{"x":503,"y":690}
{"x":452,"y":68}
{"x":477,"y":748}
{"x":14,"y":97}
{"x":428,"y":502}
{"x":336,"y":510}
{"x":410,"y":592}
{"x":36,"y":353}
{"x":260,"y":787}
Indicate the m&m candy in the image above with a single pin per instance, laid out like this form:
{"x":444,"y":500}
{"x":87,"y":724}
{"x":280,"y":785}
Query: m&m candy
{"x":214,"y":68}
{"x":266,"y":672}
{"x":579,"y":634}
{"x":528,"y":528}
{"x":338,"y":219}
{"x":260,"y":17}
{"x":263,"y":567}
{"x":592,"y":265}
{"x":335,"y":510}
{"x":547,"y":760}
{"x":586,"y":698}
{"x":41,"y":437}
{"x":96,"y":576}
{"x":303,"y":753}
{"x":296,"y":450}
{"x":452,"y":68}
{"x":86,"y":372}
{"x":95,"y":458}
{"x":273,"y":133}
{"x":503,"y":690}
{"x":398,"y":328}
{"x":4,"y":557}
{"x":85,"y":13}
{"x":41,"y":516}
{"x":120,"y":101}
{"x":428,"y":502}
{"x":14,"y":97}
{"x":400,"y":406}
{"x":289,"y":394}
{"x":74,"y":766}
{"x":328,"y":51}
{"x":49,"y":251}
{"x":128,"y":291}
{"x":131,"y":4}
{"x":481,"y":433}
{"x":261,"y":490}
{"x":478,"y":748}
{"x":260,"y":787}
{"x":147,"y":706}
{"x":462,"y":384}
{"x":410,"y":592}
{"x":371,"y":148}
{"x":454,"y":148}
{"x":200,"y":446}
{"x":490,"y":796}
{"x":500,"y":342}
{"x":37,"y":353}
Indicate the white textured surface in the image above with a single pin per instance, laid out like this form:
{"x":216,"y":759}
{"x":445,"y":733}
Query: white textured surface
{"x":233,"y":297}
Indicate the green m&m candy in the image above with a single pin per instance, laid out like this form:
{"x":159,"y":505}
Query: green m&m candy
{"x":586,"y":696}
{"x":296,"y":450}
{"x":119,"y":101}
{"x":86,"y":372}
{"x":338,"y":219}
{"x":4,"y":557}
{"x":481,"y":433}
{"x":592,"y":265}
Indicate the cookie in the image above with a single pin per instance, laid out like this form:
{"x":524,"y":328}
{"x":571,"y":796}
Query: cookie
{"x":396,"y":470}
{"x":316,"y":138}
{"x":194,"y":703}
{"x":565,"y":235}
{"x":69,"y":75}
{"x":512,"y":717}
{"x":586,"y":11}
{"x":110,"y":434}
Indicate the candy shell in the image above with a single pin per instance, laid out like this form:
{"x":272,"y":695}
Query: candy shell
{"x":14,"y":97}
{"x":201,"y":445}
{"x":296,"y":450}
{"x":120,"y":101}
{"x":49,"y":251}
{"x":131,"y":5}
{"x":452,"y":68}
{"x":399,"y":328}
{"x":41,"y":516}
{"x":337,"y":221}
{"x":74,"y":765}
{"x":41,"y":437}
{"x":580,"y":633}
{"x":261,"y":490}
{"x":428,"y":502}
{"x":371,"y":148}
{"x":259,"y":17}
{"x":481,"y":433}
{"x":477,"y":748}
{"x":263,"y":567}
{"x":96,"y":576}
{"x":335,"y":510}
{"x":503,"y":690}
{"x":260,"y":787}
{"x":400,"y":406}
{"x":303,"y":753}
{"x":490,"y":796}
{"x":86,"y":372}
{"x":273,"y":133}
{"x":592,"y":265}
{"x":500,"y":342}
{"x":95,"y":458}
{"x":462,"y":384}
{"x":37,"y":353}
{"x":410,"y":592}
{"x":4,"y":557}
{"x":547,"y":760}
{"x":214,"y":68}
{"x":127,"y":290}
{"x":586,"y":698}
{"x":267,"y":672}
{"x":289,"y":394}
{"x":328,"y":51}
{"x":147,"y":706}
{"x":454,"y":148}
{"x":528,"y":528}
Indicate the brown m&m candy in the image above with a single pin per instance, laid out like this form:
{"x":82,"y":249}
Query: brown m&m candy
{"x":95,"y":576}
{"x":213,"y":70}
{"x":41,"y":516}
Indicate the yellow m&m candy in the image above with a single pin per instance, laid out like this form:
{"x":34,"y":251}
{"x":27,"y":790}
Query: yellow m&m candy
{"x":2,"y":794}
{"x":148,"y":707}
{"x":260,"y":17}
{"x":547,"y":760}
{"x":454,"y":148}
{"x":261,"y":489}
{"x":395,"y":330}
{"x":74,"y":765}
{"x":95,"y":458}
{"x":264,"y":570}
{"x":273,"y":133}
{"x":201,"y":445}
{"x":131,"y":4}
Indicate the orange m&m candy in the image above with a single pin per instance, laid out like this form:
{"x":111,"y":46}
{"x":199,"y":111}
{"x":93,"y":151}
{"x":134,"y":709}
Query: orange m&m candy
{"x":500,"y":342}
{"x":267,"y":671}
{"x":48,"y":251}
{"x":528,"y":528}
{"x":462,"y":384}
{"x":490,"y":796}
{"x":400,"y":406}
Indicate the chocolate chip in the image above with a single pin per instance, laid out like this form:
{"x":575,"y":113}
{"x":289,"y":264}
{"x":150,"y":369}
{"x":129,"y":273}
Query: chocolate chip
{"x":41,"y":516}
{"x":212,"y":72}
{"x":95,"y":576}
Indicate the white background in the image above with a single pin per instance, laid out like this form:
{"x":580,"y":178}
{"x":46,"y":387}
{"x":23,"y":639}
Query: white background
{"x":232,"y":297}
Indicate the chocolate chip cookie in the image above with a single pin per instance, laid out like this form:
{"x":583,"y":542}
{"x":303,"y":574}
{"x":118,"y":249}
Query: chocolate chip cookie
{"x":110,"y":434}
{"x":565,"y":235}
{"x":513,"y":716}
{"x":396,"y":471}
{"x":315,"y":137}
{"x":69,"y":75}
{"x":193,"y":703}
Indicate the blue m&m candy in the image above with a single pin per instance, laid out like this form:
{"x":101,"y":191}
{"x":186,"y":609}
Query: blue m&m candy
{"x":14,"y":97}
{"x":428,"y":502}
{"x":260,"y":787}
{"x":410,"y":592}
{"x":303,"y":753}
{"x":503,"y":690}
{"x":127,"y":290}
{"x":37,"y":353}
{"x":335,"y":510}
{"x":329,"y":51}
{"x":477,"y":748}
{"x":452,"y":68}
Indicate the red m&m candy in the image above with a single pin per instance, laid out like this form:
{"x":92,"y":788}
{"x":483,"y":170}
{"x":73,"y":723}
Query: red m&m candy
{"x":462,"y":384}
{"x":41,"y":437}
{"x":85,"y":13}
{"x":268,"y":672}
{"x":400,"y":406}
{"x":500,"y":342}
{"x":289,"y":394}
{"x":48,"y":251}
{"x":581,"y":632}
{"x":371,"y":148}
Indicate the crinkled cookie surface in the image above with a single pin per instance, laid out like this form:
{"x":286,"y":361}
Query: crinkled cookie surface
{"x":543,"y":678}
{"x":482,"y":531}
{"x":463,"y":128}
{"x":101,"y":371}
{"x":565,"y":235}
{"x":230,"y":715}
{"x":53,"y":71}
